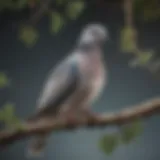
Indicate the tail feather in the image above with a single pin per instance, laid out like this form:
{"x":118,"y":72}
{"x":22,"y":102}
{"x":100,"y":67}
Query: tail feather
{"x":37,"y":145}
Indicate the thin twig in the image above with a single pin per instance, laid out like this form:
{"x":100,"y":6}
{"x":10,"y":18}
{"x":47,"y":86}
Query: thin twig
{"x":44,"y":5}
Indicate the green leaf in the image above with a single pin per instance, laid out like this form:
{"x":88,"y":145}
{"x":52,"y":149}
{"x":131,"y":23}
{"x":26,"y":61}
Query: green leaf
{"x":131,"y":131}
{"x":57,"y":22}
{"x":143,"y":58}
{"x":9,"y":117}
{"x":8,"y":110}
{"x":74,"y":9}
{"x":128,"y":39}
{"x":3,"y":80}
{"x":28,"y":35}
{"x":109,"y":142}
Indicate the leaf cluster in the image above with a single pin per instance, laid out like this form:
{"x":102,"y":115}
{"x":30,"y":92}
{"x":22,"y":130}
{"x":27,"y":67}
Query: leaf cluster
{"x":142,"y":58}
{"x":109,"y":142}
{"x":72,"y":10}
{"x":7,"y":112}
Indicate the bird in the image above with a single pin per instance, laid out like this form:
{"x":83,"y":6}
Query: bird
{"x":75,"y":83}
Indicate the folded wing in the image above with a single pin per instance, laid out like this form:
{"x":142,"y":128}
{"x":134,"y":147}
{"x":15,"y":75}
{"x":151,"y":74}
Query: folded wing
{"x":61,"y":84}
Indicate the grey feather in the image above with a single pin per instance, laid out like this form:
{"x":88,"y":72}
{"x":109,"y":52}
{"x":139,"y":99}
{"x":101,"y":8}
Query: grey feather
{"x":61,"y":83}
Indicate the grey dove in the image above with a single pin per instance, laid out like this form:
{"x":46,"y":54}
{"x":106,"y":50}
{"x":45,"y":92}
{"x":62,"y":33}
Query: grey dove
{"x":75,"y":83}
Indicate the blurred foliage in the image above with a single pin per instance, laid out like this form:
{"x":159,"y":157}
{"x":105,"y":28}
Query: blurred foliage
{"x":131,"y":131}
{"x":74,"y":9}
{"x":128,"y":44}
{"x":128,"y":39}
{"x":7,"y":113}
{"x":28,"y":35}
{"x":4,"y":81}
{"x":57,"y":22}
{"x":147,"y":10}
{"x":9,"y":118}
{"x":13,"y":4}
{"x":109,"y":143}
{"x":142,"y":59}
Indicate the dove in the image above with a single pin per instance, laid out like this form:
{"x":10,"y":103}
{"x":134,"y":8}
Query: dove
{"x":75,"y":83}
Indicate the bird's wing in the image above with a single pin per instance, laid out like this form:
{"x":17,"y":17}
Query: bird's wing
{"x":61,"y":83}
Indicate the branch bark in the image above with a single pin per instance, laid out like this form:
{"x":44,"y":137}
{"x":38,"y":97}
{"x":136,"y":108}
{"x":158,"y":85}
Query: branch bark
{"x":142,"y":110}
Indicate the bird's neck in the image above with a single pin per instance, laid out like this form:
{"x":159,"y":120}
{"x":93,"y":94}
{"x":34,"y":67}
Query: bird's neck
{"x":92,"y":52}
{"x":88,"y":48}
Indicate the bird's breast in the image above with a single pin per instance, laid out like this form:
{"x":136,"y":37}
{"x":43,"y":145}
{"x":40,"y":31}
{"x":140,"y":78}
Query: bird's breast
{"x":94,"y":74}
{"x":97,"y":83}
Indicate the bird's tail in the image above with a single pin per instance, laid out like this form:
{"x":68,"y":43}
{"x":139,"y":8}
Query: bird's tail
{"x":37,"y":145}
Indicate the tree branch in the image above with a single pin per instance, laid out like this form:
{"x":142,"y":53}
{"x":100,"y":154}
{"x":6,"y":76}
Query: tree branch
{"x":44,"y":4}
{"x":128,"y":15}
{"x":142,"y":110}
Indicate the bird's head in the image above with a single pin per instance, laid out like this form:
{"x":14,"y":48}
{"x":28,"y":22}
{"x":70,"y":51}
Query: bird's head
{"x":94,"y":34}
